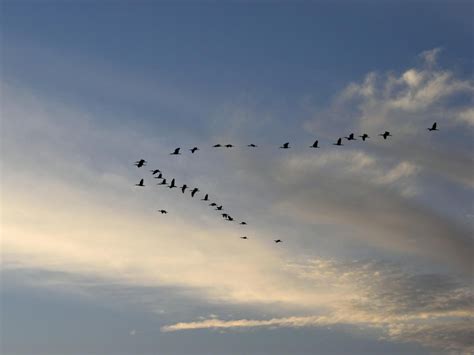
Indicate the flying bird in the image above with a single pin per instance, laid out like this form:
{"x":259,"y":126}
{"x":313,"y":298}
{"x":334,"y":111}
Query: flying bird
{"x":163,"y":211}
{"x":194,"y":150}
{"x":160,"y":176}
{"x":213,"y":204}
{"x":193,"y":192}
{"x":176,"y":152}
{"x":385,"y":134}
{"x":217,"y":146}
{"x":172,"y":185}
{"x":219,"y":208}
{"x":244,"y":237}
{"x":228,"y":145}
{"x":339,"y":142}
{"x":163,"y":182}
{"x":364,"y":136}
{"x":278,"y":241}
{"x":229,"y":218}
{"x":315,"y":144}
{"x":156,"y":171}
{"x":285,"y":146}
{"x":434,"y":127}
{"x":206,"y":198}
{"x":183,"y":188}
{"x":243,"y":223}
{"x":140,"y":163}
{"x":252,"y":145}
{"x":225,"y":215}
{"x":351,"y":137}
{"x":140,"y":183}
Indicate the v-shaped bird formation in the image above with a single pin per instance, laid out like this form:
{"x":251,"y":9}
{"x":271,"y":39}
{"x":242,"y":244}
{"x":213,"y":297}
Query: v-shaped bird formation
{"x":157,"y":174}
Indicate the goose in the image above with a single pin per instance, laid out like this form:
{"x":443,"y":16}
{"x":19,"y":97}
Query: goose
{"x":315,"y":144}
{"x":140,"y":183}
{"x":285,"y":146}
{"x":193,"y":191}
{"x":339,"y":142}
{"x":434,"y":127}
{"x":140,"y":163}
{"x":364,"y":136}
{"x":194,"y":150}
{"x":176,"y":152}
{"x":385,"y":134}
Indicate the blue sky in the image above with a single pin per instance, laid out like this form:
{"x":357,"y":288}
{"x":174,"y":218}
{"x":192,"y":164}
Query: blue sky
{"x":377,"y":236}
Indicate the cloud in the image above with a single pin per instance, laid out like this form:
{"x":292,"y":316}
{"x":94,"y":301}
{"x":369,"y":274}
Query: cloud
{"x":432,"y":309}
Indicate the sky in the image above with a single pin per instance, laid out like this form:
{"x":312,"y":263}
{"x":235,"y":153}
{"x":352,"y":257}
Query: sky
{"x":377,"y":248}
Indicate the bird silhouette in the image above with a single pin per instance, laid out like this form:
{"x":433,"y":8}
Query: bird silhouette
{"x":225,"y":215}
{"x":285,"y":146}
{"x":159,"y":176}
{"x":176,"y":152}
{"x":140,"y":163}
{"x":163,"y":211}
{"x":193,"y":192}
{"x":315,"y":144}
{"x":339,"y":142}
{"x":278,"y":241}
{"x":229,"y":218}
{"x":217,"y":146}
{"x":385,"y":134}
{"x":228,"y":145}
{"x":219,"y":208}
{"x":244,"y":237}
{"x":243,"y":223}
{"x":183,"y":188}
{"x":434,"y":127}
{"x":194,"y":150}
{"x":206,"y":198}
{"x":213,"y":204}
{"x":351,"y":137}
{"x":364,"y":136}
{"x":172,"y":185}
{"x":252,"y":145}
{"x":140,"y":183}
{"x":163,"y":182}
{"x":156,"y":171}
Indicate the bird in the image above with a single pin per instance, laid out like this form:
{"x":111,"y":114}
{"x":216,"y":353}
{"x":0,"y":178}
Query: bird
{"x":225,"y":215}
{"x":183,"y":188}
{"x":193,"y":192}
{"x":156,"y":171}
{"x":206,"y":198}
{"x":163,"y":182}
{"x":140,"y":183}
{"x":229,"y":218}
{"x":385,"y":134}
{"x":213,"y":204}
{"x":285,"y":146}
{"x":252,"y":145}
{"x":140,"y":163}
{"x":217,"y":146}
{"x":176,"y":152}
{"x":194,"y":149}
{"x":315,"y":144}
{"x":364,"y":136}
{"x":278,"y":241}
{"x":244,"y":237}
{"x":434,"y":127}
{"x":339,"y":142}
{"x":243,"y":223}
{"x":172,"y":185}
{"x":351,"y":137}
{"x":163,"y":211}
{"x":219,"y":208}
{"x":228,"y":145}
{"x":160,"y":176}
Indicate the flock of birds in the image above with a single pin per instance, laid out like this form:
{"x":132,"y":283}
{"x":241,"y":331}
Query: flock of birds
{"x":157,"y":174}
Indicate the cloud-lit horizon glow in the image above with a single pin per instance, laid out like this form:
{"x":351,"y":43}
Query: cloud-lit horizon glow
{"x":377,"y":235}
